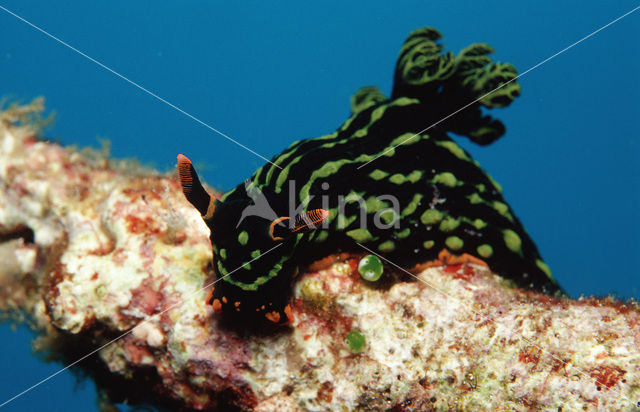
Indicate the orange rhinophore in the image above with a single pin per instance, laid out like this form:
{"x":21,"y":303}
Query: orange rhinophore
{"x":309,"y":220}
{"x":192,"y":188}
{"x":304,"y":222}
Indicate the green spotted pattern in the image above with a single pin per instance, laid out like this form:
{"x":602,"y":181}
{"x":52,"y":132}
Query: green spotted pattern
{"x":388,"y":186}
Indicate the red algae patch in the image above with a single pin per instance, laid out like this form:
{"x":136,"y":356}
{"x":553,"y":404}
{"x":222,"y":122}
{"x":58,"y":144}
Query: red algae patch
{"x":607,"y":376}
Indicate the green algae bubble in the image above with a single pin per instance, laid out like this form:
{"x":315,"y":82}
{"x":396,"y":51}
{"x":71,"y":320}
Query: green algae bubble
{"x":355,"y":340}
{"x":370,"y":268}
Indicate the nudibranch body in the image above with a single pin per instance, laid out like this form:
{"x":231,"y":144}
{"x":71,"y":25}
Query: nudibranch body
{"x":380,"y":181}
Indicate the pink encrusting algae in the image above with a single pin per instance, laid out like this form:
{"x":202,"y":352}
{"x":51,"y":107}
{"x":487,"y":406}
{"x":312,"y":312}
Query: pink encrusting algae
{"x":92,"y":248}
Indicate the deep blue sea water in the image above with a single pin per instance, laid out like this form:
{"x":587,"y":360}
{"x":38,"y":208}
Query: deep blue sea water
{"x":269,"y":73}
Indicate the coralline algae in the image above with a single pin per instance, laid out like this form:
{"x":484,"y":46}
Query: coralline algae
{"x":91,"y":248}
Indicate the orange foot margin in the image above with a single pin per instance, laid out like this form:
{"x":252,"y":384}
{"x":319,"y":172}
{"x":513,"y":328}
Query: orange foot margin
{"x":446,"y":258}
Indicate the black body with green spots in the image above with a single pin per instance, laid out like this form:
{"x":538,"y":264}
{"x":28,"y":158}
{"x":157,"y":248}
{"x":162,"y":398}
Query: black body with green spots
{"x":445,"y":200}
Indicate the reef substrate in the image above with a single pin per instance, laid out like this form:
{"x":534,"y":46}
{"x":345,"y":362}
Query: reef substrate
{"x":92,"y":248}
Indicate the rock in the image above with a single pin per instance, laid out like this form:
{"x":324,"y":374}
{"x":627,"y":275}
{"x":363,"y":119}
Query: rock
{"x":107,"y":257}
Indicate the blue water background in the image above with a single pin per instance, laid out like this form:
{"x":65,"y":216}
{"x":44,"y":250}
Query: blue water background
{"x":269,"y":73}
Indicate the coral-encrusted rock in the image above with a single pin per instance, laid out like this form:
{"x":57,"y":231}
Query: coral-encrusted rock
{"x":90,"y":250}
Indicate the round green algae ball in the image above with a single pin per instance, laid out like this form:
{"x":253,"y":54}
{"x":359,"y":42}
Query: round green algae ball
{"x":370,"y":268}
{"x":355,"y":340}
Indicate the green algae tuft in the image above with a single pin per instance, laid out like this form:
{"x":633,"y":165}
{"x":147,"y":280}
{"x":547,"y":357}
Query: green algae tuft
{"x":355,"y":340}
